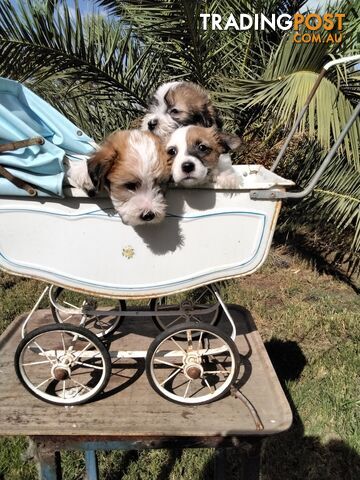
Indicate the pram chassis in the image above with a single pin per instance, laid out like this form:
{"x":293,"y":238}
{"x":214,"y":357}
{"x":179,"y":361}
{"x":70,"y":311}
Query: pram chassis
{"x":203,"y":341}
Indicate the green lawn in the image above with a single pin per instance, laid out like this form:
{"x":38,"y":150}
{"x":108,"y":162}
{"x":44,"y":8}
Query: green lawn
{"x":310,"y":323}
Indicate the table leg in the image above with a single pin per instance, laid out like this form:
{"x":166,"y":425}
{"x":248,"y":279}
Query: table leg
{"x":92,"y":470}
{"x":48,"y":460}
{"x":49,"y":466}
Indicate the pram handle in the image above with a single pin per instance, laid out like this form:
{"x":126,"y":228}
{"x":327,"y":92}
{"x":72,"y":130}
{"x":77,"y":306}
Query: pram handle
{"x":266,"y":194}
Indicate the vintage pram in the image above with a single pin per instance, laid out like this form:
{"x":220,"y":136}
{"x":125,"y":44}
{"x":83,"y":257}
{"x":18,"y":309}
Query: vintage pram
{"x":79,"y":244}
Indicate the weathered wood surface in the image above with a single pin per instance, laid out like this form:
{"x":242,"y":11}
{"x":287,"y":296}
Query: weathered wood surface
{"x":130,"y":408}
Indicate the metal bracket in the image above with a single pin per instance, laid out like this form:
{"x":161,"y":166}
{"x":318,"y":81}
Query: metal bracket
{"x":278,"y":194}
{"x":267,"y":194}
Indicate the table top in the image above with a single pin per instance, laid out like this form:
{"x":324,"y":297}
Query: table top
{"x":130,"y":408}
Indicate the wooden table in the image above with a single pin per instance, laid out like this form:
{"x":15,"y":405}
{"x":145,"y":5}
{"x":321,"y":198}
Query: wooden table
{"x":130,"y":415}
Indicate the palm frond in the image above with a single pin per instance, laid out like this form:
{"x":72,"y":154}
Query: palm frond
{"x":97,"y":116}
{"x":283,"y":88}
{"x":101,"y":54}
{"x":332,"y":214}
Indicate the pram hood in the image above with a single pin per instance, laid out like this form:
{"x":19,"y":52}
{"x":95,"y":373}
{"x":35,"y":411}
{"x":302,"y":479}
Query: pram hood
{"x":24,"y":115}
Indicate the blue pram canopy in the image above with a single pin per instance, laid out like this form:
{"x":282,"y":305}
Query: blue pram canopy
{"x":24,"y":115}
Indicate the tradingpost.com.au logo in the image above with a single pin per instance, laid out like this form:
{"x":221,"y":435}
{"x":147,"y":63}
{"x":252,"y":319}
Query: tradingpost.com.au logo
{"x":306,"y":27}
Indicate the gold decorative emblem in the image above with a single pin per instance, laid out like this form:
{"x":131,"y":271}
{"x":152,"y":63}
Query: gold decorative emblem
{"x":128,"y":252}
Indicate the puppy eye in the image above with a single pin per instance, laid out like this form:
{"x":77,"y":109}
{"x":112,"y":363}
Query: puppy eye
{"x":203,"y":148}
{"x":132,"y":186}
{"x":174,"y":111}
{"x":172,"y":151}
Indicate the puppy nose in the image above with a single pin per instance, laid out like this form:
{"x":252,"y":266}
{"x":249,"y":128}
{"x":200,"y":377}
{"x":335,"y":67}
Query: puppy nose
{"x":188,"y":167}
{"x":152,"y":124}
{"x":148,"y":216}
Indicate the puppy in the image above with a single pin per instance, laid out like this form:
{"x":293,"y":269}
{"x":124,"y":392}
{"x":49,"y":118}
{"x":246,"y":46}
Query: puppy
{"x":77,"y":175}
{"x":132,"y":166}
{"x":199,"y":155}
{"x":177,"y":104}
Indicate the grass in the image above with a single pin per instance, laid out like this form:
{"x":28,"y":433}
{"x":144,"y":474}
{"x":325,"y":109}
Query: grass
{"x":310,"y":324}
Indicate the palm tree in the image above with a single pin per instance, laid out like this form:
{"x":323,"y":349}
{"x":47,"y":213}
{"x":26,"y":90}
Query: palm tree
{"x":99,"y":70}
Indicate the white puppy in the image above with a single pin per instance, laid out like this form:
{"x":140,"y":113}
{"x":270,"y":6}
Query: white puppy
{"x":132,"y":166}
{"x":176,"y":104}
{"x":199,"y":156}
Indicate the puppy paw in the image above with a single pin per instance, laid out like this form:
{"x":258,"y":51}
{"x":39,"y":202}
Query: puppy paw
{"x":76,"y":175}
{"x":228,"y":180}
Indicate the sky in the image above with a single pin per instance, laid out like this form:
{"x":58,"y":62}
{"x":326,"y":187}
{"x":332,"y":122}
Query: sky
{"x":86,"y":6}
{"x":313,"y":4}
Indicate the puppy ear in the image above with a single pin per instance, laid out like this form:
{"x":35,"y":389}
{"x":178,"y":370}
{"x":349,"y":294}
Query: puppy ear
{"x":218,"y":120}
{"x":229,"y":142}
{"x":136,"y":123}
{"x":100,"y":164}
{"x":205,"y":117}
{"x":209,"y":117}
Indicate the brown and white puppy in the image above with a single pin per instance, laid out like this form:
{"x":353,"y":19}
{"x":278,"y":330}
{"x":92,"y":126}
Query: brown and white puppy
{"x":177,"y":104}
{"x":199,"y":155}
{"x":132,"y":166}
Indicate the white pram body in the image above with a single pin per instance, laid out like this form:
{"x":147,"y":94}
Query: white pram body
{"x":81,"y":243}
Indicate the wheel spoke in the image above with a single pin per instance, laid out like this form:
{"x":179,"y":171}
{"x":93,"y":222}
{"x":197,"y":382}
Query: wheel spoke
{"x":43,"y":383}
{"x":84,"y":350}
{"x":174,"y":321}
{"x":180,"y":385}
{"x":63,"y":341}
{"x":178,"y":345}
{"x":217,"y":361}
{"x":201,"y":295}
{"x":100,"y":319}
{"x":44,"y":353}
{"x":80,"y":384}
{"x":189,"y":340}
{"x":56,"y":369}
{"x":193,"y":378}
{"x":187,"y":388}
{"x":207,"y":384}
{"x":35,"y":363}
{"x":96,"y":367}
{"x":171,"y":376}
{"x":200,"y":340}
{"x":166,"y":363}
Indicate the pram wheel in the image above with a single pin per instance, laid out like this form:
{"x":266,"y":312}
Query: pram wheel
{"x":81,"y":309}
{"x":195,"y":369}
{"x":62,"y":364}
{"x":199,"y":305}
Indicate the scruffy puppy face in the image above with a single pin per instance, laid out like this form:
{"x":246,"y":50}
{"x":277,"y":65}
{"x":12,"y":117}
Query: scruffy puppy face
{"x":195,"y":153}
{"x":132,"y":166}
{"x":177,"y":104}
